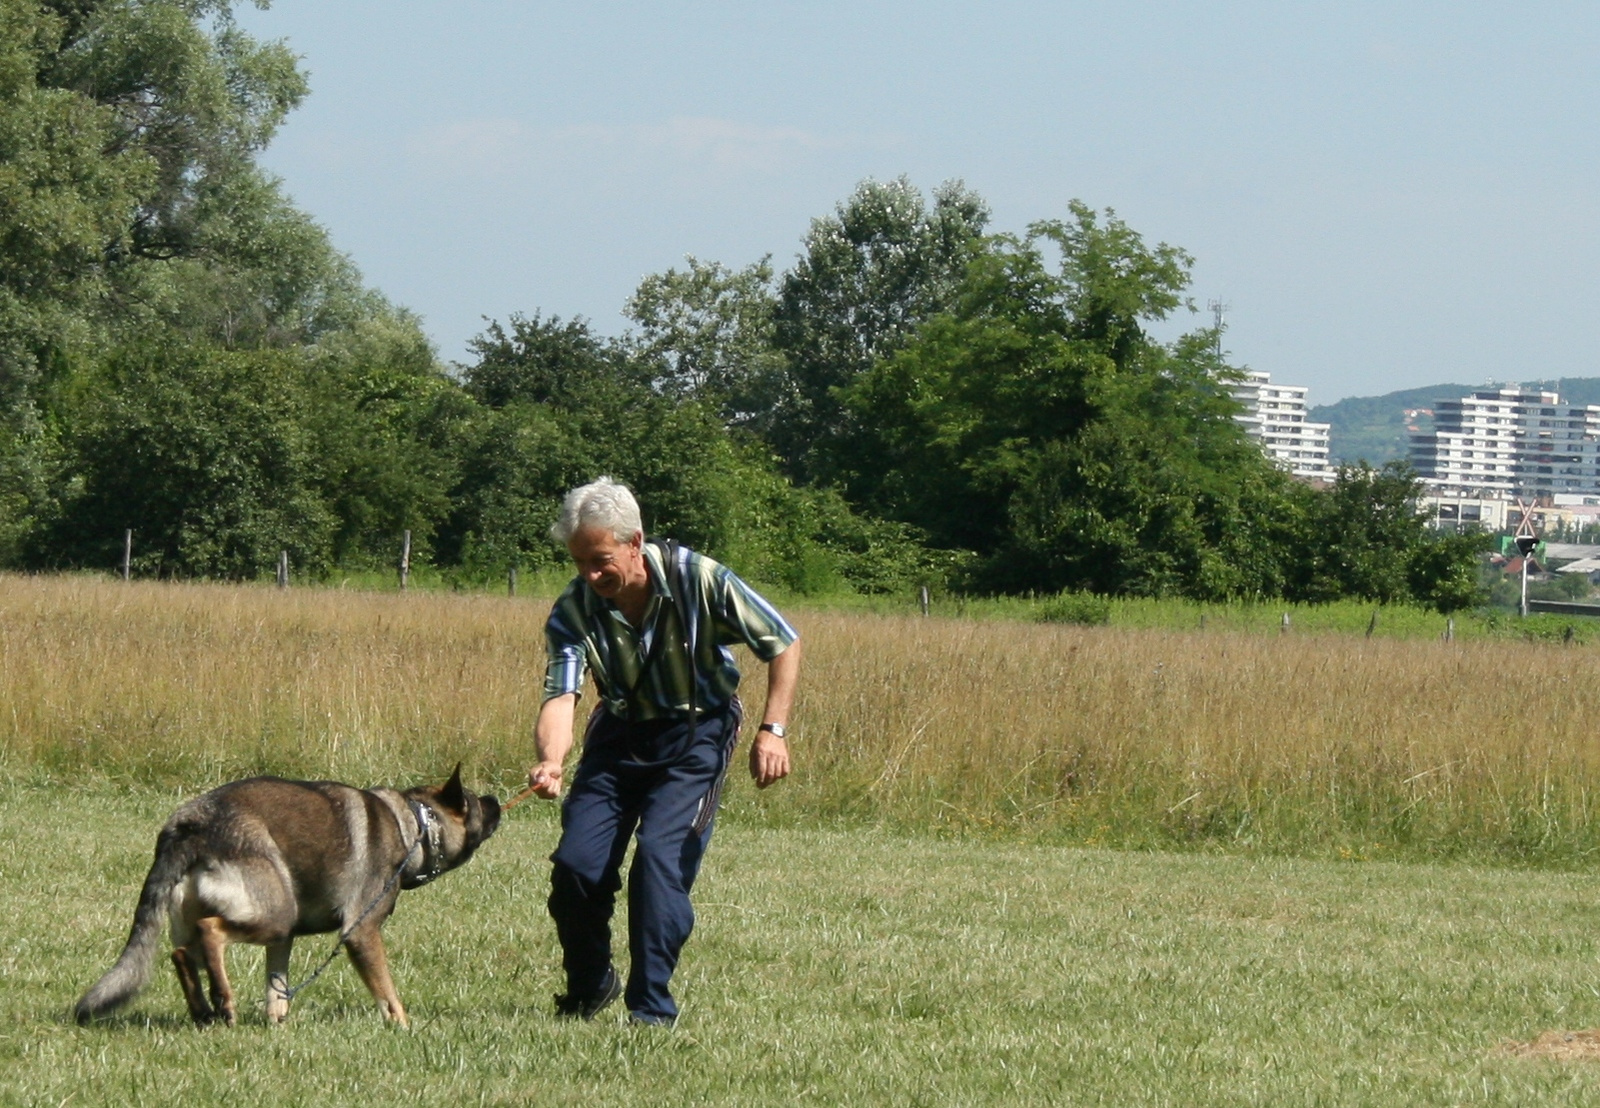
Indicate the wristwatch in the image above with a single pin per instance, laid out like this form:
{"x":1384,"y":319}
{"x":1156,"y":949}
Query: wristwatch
{"x":777,"y":729}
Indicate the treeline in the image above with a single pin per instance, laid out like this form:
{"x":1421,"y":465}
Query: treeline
{"x":916,"y":400}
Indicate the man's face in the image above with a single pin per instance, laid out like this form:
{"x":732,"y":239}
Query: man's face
{"x":605,"y":564}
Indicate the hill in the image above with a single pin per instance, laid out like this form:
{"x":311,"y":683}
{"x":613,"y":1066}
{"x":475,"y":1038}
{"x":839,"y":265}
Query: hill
{"x":1377,"y":429}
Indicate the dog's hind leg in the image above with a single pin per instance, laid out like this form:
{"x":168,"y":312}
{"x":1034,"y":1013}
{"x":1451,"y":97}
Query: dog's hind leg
{"x":183,"y":960}
{"x":365,"y":946}
{"x":213,"y":943}
{"x":278,"y":980}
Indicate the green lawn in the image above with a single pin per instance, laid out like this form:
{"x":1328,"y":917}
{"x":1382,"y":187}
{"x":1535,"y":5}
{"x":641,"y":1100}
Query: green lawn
{"x":842,"y":967}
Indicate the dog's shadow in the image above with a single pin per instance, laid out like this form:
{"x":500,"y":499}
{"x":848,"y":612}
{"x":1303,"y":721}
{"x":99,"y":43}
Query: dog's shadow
{"x":131,"y":1021}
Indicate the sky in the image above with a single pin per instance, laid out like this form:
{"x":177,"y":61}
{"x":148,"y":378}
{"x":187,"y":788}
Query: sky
{"x":1384,"y":195}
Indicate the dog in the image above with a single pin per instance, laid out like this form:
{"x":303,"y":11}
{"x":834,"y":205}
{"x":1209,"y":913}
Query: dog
{"x":264,"y":860}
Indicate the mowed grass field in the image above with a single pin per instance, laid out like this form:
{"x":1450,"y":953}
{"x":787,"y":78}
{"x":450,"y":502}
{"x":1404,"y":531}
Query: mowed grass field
{"x":842,"y":967}
{"x":926,"y":913}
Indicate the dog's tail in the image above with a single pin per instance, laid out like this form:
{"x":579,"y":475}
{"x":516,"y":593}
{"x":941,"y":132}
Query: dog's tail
{"x":132,"y":970}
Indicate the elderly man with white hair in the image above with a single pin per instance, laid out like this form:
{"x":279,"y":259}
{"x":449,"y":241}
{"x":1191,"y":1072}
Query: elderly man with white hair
{"x":652,"y":622}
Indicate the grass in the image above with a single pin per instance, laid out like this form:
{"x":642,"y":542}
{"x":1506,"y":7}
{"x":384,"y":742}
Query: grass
{"x":1309,"y":742}
{"x":840,"y":967}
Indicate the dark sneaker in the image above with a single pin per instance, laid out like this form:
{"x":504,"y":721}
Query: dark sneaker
{"x":588,"y":1007}
{"x":645,"y":1019}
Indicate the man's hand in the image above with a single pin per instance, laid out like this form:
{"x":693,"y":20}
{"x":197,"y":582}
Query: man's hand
{"x":769,"y":759}
{"x":545,"y":780}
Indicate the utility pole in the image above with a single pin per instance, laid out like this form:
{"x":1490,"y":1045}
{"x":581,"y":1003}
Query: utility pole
{"x":1526,"y":539}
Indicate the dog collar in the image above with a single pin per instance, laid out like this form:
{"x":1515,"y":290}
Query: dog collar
{"x":429,"y":835}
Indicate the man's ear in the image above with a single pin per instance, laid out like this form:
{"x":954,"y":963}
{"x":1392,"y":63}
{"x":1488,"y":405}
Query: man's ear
{"x":637,"y":541}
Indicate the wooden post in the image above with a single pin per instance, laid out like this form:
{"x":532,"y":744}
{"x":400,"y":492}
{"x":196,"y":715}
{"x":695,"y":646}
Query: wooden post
{"x":405,"y":562}
{"x":127,"y":553}
{"x":283,"y":569}
{"x":1283,"y":628}
{"x":922,"y":599}
{"x":511,"y":581}
{"x":1450,"y":629}
{"x":1372,"y":624}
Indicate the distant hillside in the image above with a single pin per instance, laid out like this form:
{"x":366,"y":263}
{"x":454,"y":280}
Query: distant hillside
{"x":1375,"y":428}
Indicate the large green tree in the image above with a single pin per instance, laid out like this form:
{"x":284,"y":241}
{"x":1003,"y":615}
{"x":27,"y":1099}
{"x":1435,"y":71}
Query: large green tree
{"x":1037,"y":423}
{"x":204,"y":453}
{"x":133,"y":216}
{"x":868,"y":276}
{"x":709,"y":332}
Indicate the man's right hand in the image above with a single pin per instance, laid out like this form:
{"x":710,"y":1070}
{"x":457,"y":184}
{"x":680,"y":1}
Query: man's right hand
{"x":545,"y":780}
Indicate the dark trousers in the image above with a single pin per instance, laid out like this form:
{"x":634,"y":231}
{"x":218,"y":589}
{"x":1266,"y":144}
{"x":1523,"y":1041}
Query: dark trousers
{"x":654,"y":779}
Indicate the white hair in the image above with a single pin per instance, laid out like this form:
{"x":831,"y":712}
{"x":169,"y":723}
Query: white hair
{"x":601,"y":503}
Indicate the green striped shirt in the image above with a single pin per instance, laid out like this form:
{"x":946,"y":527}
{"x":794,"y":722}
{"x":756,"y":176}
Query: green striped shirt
{"x":587,"y":633}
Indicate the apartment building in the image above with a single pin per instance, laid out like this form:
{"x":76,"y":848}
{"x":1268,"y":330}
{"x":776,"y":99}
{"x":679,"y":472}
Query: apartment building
{"x":1275,"y":416}
{"x":1510,"y":442}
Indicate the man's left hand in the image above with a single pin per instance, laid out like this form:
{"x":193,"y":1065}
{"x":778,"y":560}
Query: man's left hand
{"x":769,"y":759}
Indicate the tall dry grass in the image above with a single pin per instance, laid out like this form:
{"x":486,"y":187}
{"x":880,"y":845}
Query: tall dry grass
{"x":1143,"y":737}
{"x":205,"y":682}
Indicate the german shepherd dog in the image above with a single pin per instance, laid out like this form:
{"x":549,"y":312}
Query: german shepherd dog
{"x":264,"y":860}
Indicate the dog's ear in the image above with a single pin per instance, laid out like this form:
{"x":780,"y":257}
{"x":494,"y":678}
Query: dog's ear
{"x":452,"y":795}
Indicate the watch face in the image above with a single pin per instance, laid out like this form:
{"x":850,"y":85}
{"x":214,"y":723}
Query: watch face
{"x":776,"y":728}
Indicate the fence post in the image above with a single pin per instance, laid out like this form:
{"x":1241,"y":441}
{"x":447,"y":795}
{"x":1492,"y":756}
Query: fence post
{"x":1450,"y":629}
{"x":1372,"y":624}
{"x":127,"y":553}
{"x":922,"y":598}
{"x":283,"y":569}
{"x":405,"y":562}
{"x":511,"y":581}
{"x":1283,"y":628}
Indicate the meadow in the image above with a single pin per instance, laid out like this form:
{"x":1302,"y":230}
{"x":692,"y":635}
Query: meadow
{"x":1223,"y":736}
{"x":1352,"y":868}
{"x":835,"y":966}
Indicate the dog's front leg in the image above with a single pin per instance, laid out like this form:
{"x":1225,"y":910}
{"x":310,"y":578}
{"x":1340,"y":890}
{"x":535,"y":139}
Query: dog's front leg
{"x":365,"y":945}
{"x":278,"y":980}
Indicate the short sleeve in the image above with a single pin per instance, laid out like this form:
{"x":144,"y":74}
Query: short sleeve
{"x":753,"y":620}
{"x":566,"y":654}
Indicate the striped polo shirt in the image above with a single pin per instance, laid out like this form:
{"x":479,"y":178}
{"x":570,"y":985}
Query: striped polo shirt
{"x":586,"y":632}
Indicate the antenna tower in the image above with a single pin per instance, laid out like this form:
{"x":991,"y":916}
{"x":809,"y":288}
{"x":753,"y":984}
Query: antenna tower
{"x":1219,"y":320}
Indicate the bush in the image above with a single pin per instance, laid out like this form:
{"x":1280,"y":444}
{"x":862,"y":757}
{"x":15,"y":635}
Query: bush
{"x":1076,"y":607}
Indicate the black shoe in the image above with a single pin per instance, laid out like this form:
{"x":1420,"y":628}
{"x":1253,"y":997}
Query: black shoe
{"x":588,"y":1007}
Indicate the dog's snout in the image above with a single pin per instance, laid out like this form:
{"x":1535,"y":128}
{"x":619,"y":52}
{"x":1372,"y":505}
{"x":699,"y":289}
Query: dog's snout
{"x":491,"y":815}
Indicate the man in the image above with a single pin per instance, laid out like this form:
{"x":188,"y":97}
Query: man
{"x":652,"y":622}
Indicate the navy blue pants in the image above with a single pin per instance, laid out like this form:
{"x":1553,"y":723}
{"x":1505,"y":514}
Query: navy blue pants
{"x":654,"y":779}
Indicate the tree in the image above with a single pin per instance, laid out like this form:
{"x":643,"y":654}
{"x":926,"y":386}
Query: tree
{"x":204,"y":453}
{"x":1036,"y":423}
{"x":710,"y":332}
{"x":870,"y":274}
{"x":388,"y":428}
{"x":1366,"y":538}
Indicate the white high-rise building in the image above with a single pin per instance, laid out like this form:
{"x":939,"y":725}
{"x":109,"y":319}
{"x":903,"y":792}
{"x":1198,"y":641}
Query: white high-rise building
{"x":1510,"y":442}
{"x":1275,"y":416}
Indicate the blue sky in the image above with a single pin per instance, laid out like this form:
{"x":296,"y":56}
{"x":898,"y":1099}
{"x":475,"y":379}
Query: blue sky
{"x":1386,"y":195}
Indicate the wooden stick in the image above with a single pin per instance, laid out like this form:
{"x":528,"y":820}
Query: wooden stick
{"x":518,"y":799}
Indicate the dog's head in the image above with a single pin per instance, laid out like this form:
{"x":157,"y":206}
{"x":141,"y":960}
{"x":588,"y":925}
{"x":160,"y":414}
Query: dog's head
{"x":465,"y":820}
